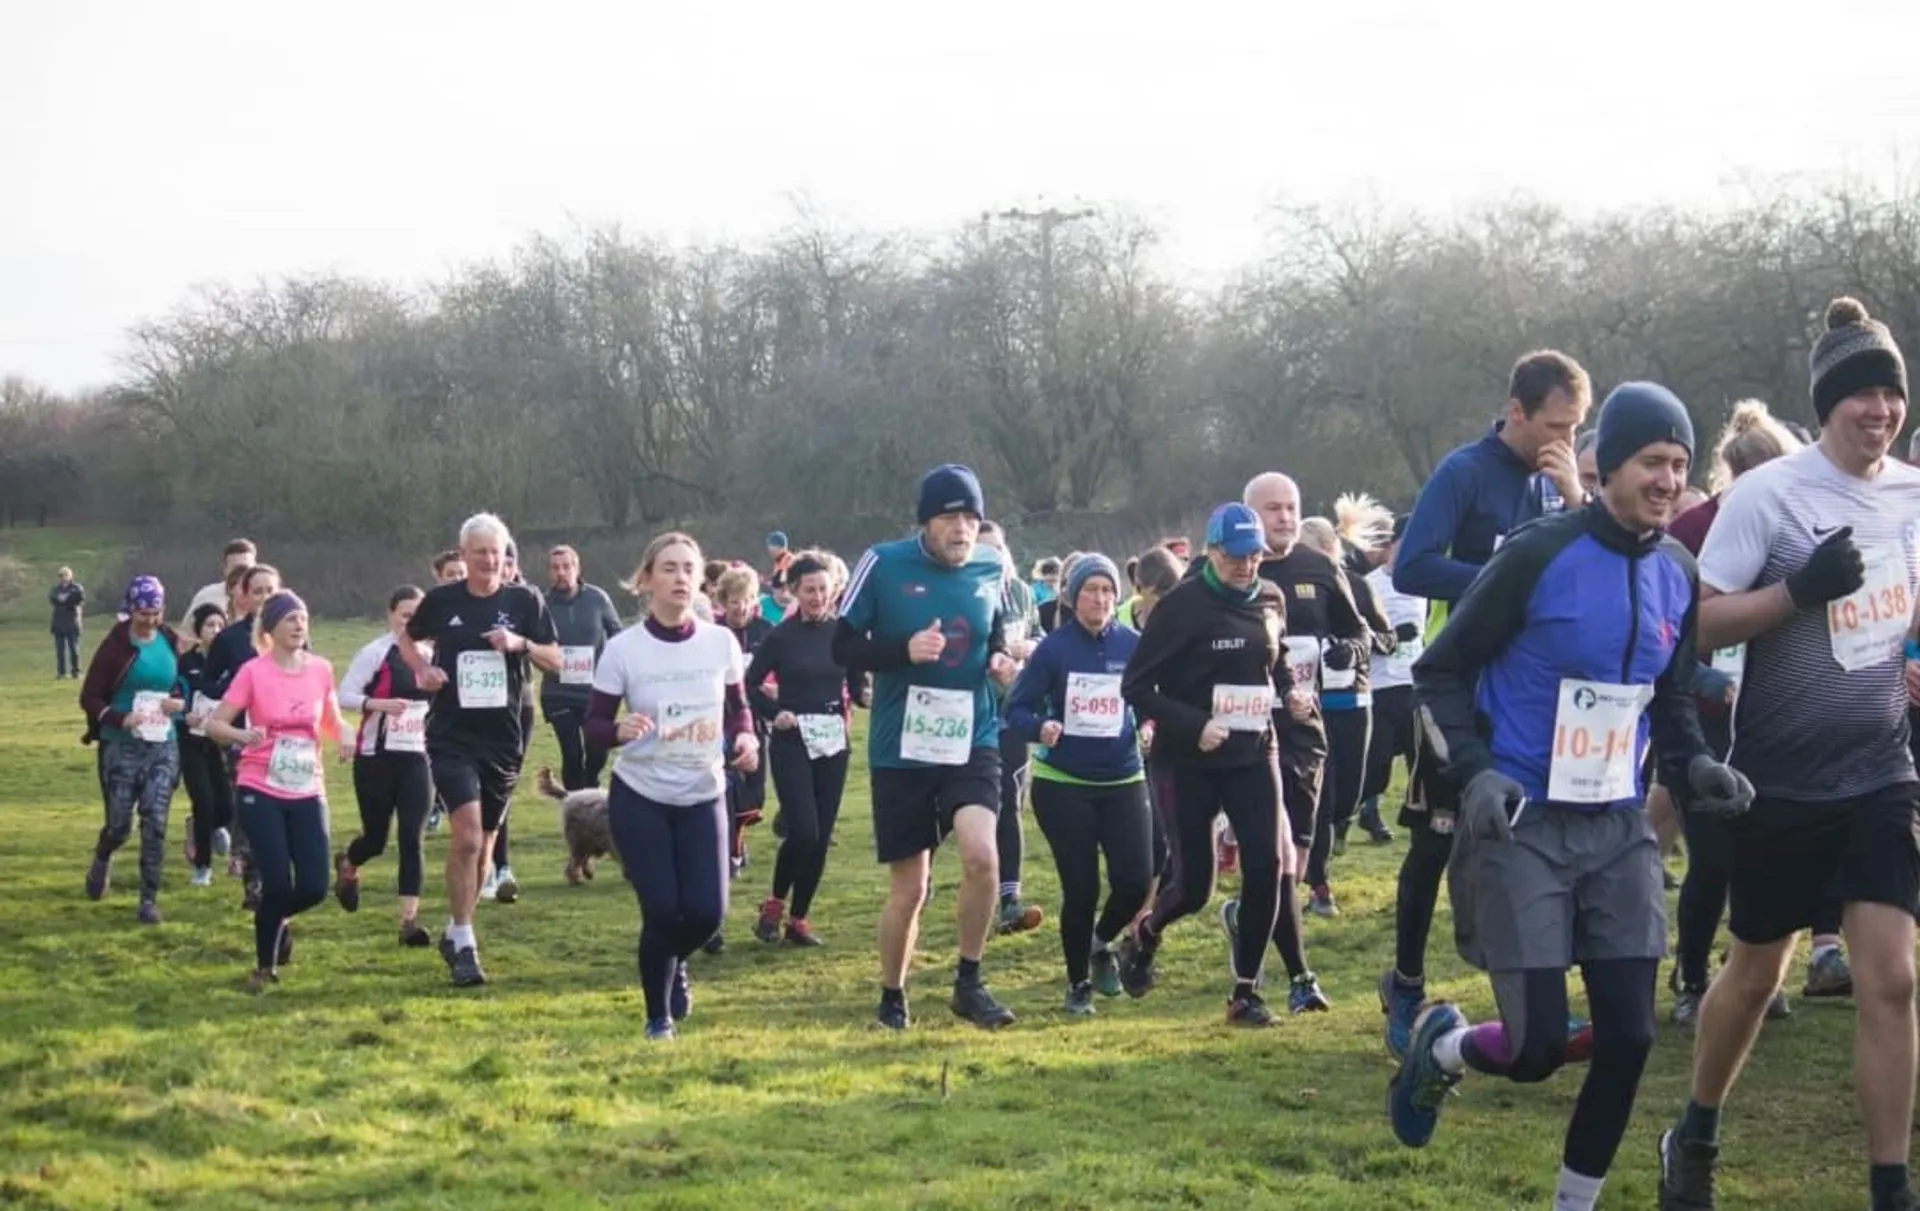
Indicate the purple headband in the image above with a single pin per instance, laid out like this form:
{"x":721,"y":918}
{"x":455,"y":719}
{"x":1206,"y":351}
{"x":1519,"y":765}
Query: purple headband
{"x":278,"y":606}
{"x":144,"y":593}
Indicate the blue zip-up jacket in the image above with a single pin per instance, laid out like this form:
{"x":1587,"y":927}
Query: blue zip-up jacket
{"x":1039,"y":694}
{"x":1478,"y":495}
{"x":1574,"y":597}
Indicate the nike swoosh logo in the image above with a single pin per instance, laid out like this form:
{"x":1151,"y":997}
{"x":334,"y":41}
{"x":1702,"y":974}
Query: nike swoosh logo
{"x":1824,"y":531}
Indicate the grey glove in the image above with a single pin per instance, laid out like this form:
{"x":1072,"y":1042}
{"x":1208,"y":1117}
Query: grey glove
{"x":1718,"y":789}
{"x":1487,"y":805}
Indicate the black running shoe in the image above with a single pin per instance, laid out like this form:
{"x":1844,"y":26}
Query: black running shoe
{"x":414,"y":935}
{"x":1136,"y":967}
{"x":973,"y":1002}
{"x":467,"y":972}
{"x":892,"y":1015}
{"x":1686,"y":1173}
{"x":716,"y":945}
{"x":284,"y":955}
{"x":346,"y":888}
{"x":1248,"y":1009}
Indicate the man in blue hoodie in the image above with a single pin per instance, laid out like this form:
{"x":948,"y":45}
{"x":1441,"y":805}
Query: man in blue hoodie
{"x":1522,"y":469}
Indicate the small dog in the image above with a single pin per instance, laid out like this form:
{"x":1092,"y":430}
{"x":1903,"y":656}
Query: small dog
{"x":583,"y":824}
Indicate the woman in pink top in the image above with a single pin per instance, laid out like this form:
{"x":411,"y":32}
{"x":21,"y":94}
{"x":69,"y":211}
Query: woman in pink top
{"x":288,"y":699}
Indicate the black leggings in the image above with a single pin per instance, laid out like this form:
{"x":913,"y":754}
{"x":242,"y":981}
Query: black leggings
{"x":1340,"y":784}
{"x":1008,"y":836}
{"x":290,"y":856}
{"x":390,"y":786}
{"x":810,"y":792}
{"x":580,"y":767}
{"x":1418,"y":894}
{"x":203,"y":768}
{"x":1533,"y":1009}
{"x":1392,"y":737}
{"x":676,"y":858}
{"x":1081,"y":823}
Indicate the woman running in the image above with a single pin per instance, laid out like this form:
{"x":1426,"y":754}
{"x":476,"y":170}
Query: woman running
{"x":130,"y":697}
{"x":680,"y":679}
{"x":391,"y":780}
{"x":808,"y":753}
{"x":288,"y":699}
{"x":203,"y":767}
{"x":1089,"y":790}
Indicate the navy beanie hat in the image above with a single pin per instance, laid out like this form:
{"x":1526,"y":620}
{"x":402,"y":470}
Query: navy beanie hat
{"x":1634,"y":416}
{"x":1086,"y":568}
{"x":950,"y":488}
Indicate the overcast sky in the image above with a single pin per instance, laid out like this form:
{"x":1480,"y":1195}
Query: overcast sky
{"x":145,"y":147}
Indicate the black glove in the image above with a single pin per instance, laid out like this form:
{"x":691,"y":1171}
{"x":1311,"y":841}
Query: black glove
{"x":1338,"y":656}
{"x":1407,"y":632}
{"x":1487,"y":804}
{"x":1834,"y":570}
{"x":1718,"y":789}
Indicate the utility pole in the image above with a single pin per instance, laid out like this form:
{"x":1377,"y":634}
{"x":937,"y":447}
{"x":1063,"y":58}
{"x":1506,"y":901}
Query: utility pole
{"x":1047,"y":220}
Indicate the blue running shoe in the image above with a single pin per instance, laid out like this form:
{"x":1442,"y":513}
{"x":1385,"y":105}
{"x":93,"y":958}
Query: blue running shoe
{"x":680,"y":993}
{"x":1401,"y":1004}
{"x":660,"y":1030}
{"x":1304,"y":995}
{"x":1421,"y":1086}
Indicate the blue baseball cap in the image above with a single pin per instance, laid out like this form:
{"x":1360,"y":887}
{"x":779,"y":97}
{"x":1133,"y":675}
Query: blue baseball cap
{"x":1236,"y":529}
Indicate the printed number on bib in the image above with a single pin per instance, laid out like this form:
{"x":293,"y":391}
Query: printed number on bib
{"x":203,"y":706}
{"x":407,"y":731}
{"x":482,"y":680}
{"x":1094,"y":707}
{"x":293,"y":767}
{"x":1869,"y":625}
{"x":1731,"y":662}
{"x":576,"y":666}
{"x":1596,"y":751}
{"x":1303,"y":662}
{"x":149,"y":716}
{"x":1243,"y":708}
{"x":1332,"y":678}
{"x":690,"y":732}
{"x":824,"y":735}
{"x":937,"y":726}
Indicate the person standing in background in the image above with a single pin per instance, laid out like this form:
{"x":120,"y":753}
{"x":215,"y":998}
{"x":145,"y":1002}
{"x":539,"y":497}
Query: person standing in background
{"x":67,"y":598}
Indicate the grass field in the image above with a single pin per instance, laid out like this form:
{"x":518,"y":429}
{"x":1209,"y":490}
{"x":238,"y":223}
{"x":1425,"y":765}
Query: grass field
{"x":135,"y":1071}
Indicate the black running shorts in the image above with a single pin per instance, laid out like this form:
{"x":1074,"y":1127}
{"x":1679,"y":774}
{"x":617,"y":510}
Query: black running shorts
{"x":913,"y":808}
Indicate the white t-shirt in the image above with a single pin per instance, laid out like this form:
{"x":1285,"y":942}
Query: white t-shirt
{"x":213,"y":594}
{"x":1400,"y":609}
{"x":682,"y":687}
{"x":1805,"y":727}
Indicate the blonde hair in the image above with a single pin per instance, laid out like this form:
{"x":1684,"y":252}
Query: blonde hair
{"x":1752,"y":437}
{"x":1362,"y":522}
{"x":1320,"y":535}
{"x":637,"y":583}
{"x":738,"y":584}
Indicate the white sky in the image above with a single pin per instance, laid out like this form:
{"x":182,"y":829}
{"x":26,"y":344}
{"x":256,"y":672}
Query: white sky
{"x":145,"y":147}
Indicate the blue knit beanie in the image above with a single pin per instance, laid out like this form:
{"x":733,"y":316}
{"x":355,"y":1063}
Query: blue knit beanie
{"x":950,"y":488}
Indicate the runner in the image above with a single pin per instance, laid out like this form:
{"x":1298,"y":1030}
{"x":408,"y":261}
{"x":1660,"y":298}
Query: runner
{"x":499,"y":884}
{"x":68,"y":599}
{"x":288,"y":699}
{"x":925,"y":615}
{"x":584,"y":618}
{"x":240,"y":553}
{"x":1811,"y":563}
{"x":1015,"y":915}
{"x":478,"y":628}
{"x":1574,"y":646}
{"x":391,"y":780}
{"x":203,"y":767}
{"x":1089,"y":792}
{"x":1523,"y":469}
{"x":130,"y":696}
{"x":1393,"y":725}
{"x":1208,"y":669}
{"x":1158,"y":572}
{"x":250,"y":587}
{"x":808,"y":717}
{"x":739,"y":606}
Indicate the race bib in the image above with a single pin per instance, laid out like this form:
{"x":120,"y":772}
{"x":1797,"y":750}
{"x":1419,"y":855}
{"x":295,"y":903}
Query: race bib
{"x":407,"y":731}
{"x":1596,"y":751}
{"x":149,"y":717}
{"x":690,"y":732}
{"x":481,"y":678}
{"x":937,"y":726}
{"x":1730,"y":661}
{"x":1869,"y":625}
{"x":1243,"y":708}
{"x":824,"y":735}
{"x":1332,"y":678}
{"x":293,"y":768}
{"x":1094,"y":707}
{"x":202,"y":706}
{"x":1400,"y":662}
{"x":576,"y":666}
{"x":1303,"y":662}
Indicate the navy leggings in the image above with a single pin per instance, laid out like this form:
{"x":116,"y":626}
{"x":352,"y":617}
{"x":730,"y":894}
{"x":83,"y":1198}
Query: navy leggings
{"x":289,"y":838}
{"x":810,"y":793}
{"x":676,"y":859}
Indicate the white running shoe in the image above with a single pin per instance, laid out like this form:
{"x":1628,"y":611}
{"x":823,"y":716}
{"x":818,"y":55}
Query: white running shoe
{"x":491,"y":888}
{"x":202,"y":876}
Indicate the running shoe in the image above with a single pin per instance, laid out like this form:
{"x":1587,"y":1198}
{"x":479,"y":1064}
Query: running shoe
{"x":506,"y":889}
{"x":1304,"y":995}
{"x":222,"y":843}
{"x":99,"y":878}
{"x":1828,"y":975}
{"x":1017,"y":916}
{"x":680,"y":993}
{"x":1420,"y":1088}
{"x":767,"y":928}
{"x":1686,"y":1173}
{"x":346,"y":883}
{"x":467,"y":972}
{"x":716,"y":945}
{"x":259,"y":980}
{"x":491,"y":887}
{"x":414,"y":936}
{"x":1321,"y":904}
{"x":800,"y":933}
{"x":1080,"y":999}
{"x":149,"y":913}
{"x":1375,"y":827}
{"x":892,"y":1015}
{"x":1106,"y":973}
{"x":283,"y":952}
{"x":1400,"y":1002}
{"x":1779,"y":1009}
{"x":202,"y":877}
{"x":1245,"y":1008}
{"x":973,"y":1002}
{"x":1137,"y":975}
{"x":434,"y":818}
{"x":1686,"y":1008}
{"x":660,"y":1030}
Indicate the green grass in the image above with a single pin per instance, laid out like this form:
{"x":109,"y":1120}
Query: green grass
{"x":135,"y":1072}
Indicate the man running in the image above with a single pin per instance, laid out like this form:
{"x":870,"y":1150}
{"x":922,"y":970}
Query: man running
{"x":926,"y":615}
{"x":584,"y":619}
{"x":484,"y":631}
{"x":1522,"y":469}
{"x":1811,"y":563}
{"x":1572,"y":648}
{"x":238,"y":554}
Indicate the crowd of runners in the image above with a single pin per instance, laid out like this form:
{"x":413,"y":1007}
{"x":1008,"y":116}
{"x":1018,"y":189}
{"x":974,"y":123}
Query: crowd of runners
{"x":1580,"y":659}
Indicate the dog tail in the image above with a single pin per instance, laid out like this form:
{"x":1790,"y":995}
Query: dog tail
{"x":548,"y":787}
